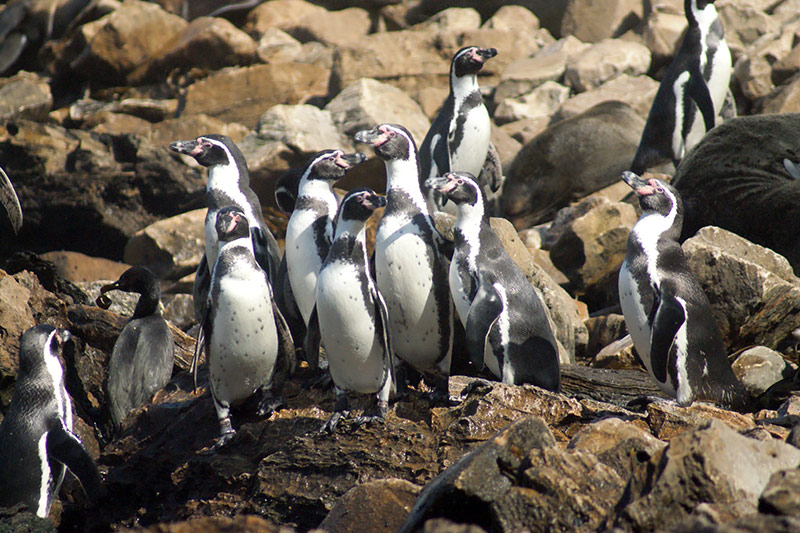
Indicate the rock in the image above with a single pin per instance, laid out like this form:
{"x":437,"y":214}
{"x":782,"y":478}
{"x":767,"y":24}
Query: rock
{"x":412,"y":54}
{"x":526,"y":129}
{"x":543,"y":101}
{"x":75,"y":266}
{"x":753,"y":70}
{"x":619,"y":354}
{"x":781,"y":496}
{"x":122,"y":303}
{"x":603,"y":330}
{"x":606,"y":60}
{"x":117,"y":43}
{"x":663,"y":33}
{"x":668,"y":420}
{"x":303,"y":128}
{"x":753,"y":291}
{"x":515,"y":19}
{"x":179,"y":310}
{"x":638,"y":92}
{"x":590,"y":21}
{"x":380,"y":505}
{"x":277,"y":46}
{"x":207,"y":42}
{"x":280,"y":14}
{"x":367,"y":102}
{"x":524,"y":75}
{"x":759,"y":368}
{"x":267,"y":160}
{"x":24,"y":96}
{"x":334,"y":28}
{"x":591,"y":249}
{"x":190,"y":127}
{"x":783,"y":99}
{"x":172,"y":247}
{"x":787,"y":66}
{"x":744,"y":24}
{"x":453,"y":19}
{"x":569,"y":160}
{"x":240,"y":94}
{"x":712,"y":464}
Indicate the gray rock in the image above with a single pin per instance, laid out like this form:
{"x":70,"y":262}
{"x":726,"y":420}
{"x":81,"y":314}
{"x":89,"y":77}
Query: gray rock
{"x":543,"y":101}
{"x":638,"y":92}
{"x":569,"y":160}
{"x":24,"y":96}
{"x":591,"y":21}
{"x":306,"y":129}
{"x":604,"y":61}
{"x":367,"y":102}
{"x":759,"y":368}
{"x":663,"y":32}
{"x":753,"y":292}
{"x":781,"y":496}
{"x":712,"y":464}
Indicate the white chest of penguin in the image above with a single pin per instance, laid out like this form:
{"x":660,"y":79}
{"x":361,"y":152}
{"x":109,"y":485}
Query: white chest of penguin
{"x":303,"y":256}
{"x":354,"y":351}
{"x":469,"y":154}
{"x":244,"y":341}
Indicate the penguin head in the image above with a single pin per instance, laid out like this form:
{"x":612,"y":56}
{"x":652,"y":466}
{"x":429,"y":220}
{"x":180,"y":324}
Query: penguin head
{"x":470,"y":60}
{"x":331,"y":165}
{"x":231,"y":224}
{"x":359,"y":204}
{"x":459,"y":187}
{"x":696,"y":9}
{"x":38,"y":344}
{"x":655,"y":195}
{"x":209,"y":150}
{"x":136,"y":279}
{"x":390,"y":141}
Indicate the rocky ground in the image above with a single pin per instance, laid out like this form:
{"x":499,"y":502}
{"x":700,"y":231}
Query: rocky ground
{"x":101,"y":88}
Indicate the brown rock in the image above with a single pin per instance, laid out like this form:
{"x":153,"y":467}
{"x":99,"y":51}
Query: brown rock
{"x":24,"y":96}
{"x":242,"y":94}
{"x":744,"y":24}
{"x":207,"y":42}
{"x":75,"y":266}
{"x":663,"y":33}
{"x":306,"y":129}
{"x":281,"y":14}
{"x":638,"y":92}
{"x":121,"y":41}
{"x":592,"y":21}
{"x":783,"y":99}
{"x":781,"y":496}
{"x":606,"y":60}
{"x":380,"y":505}
{"x":668,"y":420}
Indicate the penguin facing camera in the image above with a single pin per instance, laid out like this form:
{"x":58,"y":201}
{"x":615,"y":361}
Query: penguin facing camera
{"x":506,"y":323}
{"x":37,"y":443}
{"x":350,"y":318}
{"x":666,"y":311}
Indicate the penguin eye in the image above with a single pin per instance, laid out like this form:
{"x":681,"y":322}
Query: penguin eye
{"x":391,"y":133}
{"x":205,"y":144}
{"x":460,"y":181}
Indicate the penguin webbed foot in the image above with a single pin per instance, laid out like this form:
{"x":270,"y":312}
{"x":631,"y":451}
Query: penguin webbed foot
{"x":440,"y":395}
{"x":269,"y":404}
{"x":333,"y":422}
{"x":478,"y":386}
{"x":223,"y":441}
{"x":379,"y":416}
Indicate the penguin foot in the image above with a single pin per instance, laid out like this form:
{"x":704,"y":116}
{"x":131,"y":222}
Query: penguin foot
{"x":269,"y":404}
{"x":478,"y":385}
{"x":224,"y":440}
{"x":366,"y":420}
{"x":439,"y":398}
{"x":333,"y":422}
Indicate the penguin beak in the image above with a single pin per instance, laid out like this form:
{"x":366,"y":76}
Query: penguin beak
{"x":347,"y":161}
{"x":191,"y":148}
{"x":374,"y":137}
{"x":639,"y":186}
{"x":377,"y":201}
{"x":487,"y":53}
{"x":442,"y":184}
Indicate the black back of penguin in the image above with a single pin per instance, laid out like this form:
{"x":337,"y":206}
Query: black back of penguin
{"x":36,"y":439}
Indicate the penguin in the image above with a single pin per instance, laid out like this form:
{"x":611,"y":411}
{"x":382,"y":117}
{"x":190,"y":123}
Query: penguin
{"x":245,"y":336}
{"x":37,"y":443}
{"x":351,"y":313}
{"x":410,"y":267}
{"x":692,"y":92}
{"x":666,"y":311}
{"x":310,"y":229}
{"x":458,"y":139}
{"x":506,"y":322}
{"x":228,"y":185}
{"x":10,"y":202}
{"x":142,"y":359}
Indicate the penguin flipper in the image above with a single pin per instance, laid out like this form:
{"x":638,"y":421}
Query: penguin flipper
{"x":491,"y":176}
{"x":698,"y":91}
{"x":287,"y":360}
{"x":382,"y":327}
{"x":202,"y":284}
{"x":63,"y":446}
{"x":203,"y":341}
{"x":10,"y":201}
{"x":668,"y":317}
{"x":313,"y":340}
{"x":266,"y":250}
{"x":483,"y":313}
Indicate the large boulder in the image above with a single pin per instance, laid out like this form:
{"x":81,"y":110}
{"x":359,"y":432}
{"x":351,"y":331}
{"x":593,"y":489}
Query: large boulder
{"x":569,"y":160}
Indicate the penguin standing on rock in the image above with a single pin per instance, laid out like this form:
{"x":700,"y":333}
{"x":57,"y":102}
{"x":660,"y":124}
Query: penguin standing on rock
{"x":666,"y":311}
{"x":309,"y":232}
{"x":506,"y":322}
{"x":142,"y":359}
{"x":352,"y":316}
{"x":459,"y":138}
{"x":246,"y":338}
{"x":37,"y":444}
{"x":692,"y":92}
{"x":228,"y":185}
{"x":410,"y":269}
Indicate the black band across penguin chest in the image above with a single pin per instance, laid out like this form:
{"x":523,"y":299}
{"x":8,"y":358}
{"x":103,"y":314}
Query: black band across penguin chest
{"x":350,"y":251}
{"x":462,"y":113}
{"x":321,"y":228}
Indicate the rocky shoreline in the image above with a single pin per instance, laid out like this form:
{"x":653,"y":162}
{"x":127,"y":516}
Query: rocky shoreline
{"x":101,"y":88}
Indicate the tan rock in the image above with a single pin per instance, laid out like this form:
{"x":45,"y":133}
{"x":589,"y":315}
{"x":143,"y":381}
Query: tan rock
{"x":172,"y":247}
{"x":663,"y":33}
{"x":668,"y":420}
{"x":243,"y":94}
{"x":604,"y":435}
{"x":638,"y":92}
{"x":744,"y":24}
{"x":116,"y":44}
{"x":604,"y":61}
{"x":514,"y":19}
{"x":333,"y":28}
{"x":15,"y":317}
{"x":542,"y":101}
{"x":753,"y":70}
{"x":592,"y":21}
{"x":303,"y":128}
{"x":75,"y":266}
{"x":783,"y":99}
{"x":189,"y":127}
{"x":454,"y":19}
{"x":25,"y":96}
{"x":277,"y":46}
{"x":368,"y":102}
{"x":281,"y":14}
{"x":207,"y":42}
{"x":380,"y":505}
